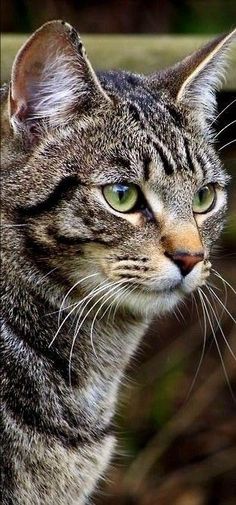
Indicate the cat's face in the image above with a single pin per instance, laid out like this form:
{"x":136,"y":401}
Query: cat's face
{"x":130,"y":196}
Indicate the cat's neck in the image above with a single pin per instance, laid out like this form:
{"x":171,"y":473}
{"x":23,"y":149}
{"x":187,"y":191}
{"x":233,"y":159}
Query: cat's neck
{"x":75,"y":414}
{"x":78,"y":340}
{"x":84,"y":371}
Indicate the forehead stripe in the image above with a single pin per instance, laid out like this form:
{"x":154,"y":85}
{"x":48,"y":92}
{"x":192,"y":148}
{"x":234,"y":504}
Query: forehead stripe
{"x":167,"y":165}
{"x":190,"y":164}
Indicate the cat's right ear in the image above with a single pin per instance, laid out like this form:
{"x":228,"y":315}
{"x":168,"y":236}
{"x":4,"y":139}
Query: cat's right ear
{"x":51,"y":80}
{"x":193,"y":82}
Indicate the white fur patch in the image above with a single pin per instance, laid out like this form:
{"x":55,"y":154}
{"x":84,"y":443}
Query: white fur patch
{"x":61,"y":86}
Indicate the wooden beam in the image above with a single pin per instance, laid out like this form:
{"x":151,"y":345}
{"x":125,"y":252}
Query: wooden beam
{"x":139,"y":53}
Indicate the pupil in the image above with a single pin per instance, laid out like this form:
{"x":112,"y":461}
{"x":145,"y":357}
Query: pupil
{"x":121,"y":190}
{"x":203,"y":194}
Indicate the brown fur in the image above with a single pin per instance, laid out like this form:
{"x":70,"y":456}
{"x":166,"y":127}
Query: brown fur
{"x":65,"y":134}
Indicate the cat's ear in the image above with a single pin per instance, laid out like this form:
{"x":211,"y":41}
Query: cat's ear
{"x":194,"y":81}
{"x":51,"y":79}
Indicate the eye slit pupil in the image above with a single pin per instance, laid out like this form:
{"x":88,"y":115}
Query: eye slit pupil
{"x":203,"y":193}
{"x":121,"y":191}
{"x":122,"y":197}
{"x":204,"y":199}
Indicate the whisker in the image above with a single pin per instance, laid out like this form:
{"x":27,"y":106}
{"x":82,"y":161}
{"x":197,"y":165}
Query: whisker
{"x":78,"y":327}
{"x":222,"y":304}
{"x":75,"y":306}
{"x":228,"y":144}
{"x":112,"y":303}
{"x":222,"y":333}
{"x":98,"y":289}
{"x":225,"y":299}
{"x":13,"y":225}
{"x":214,"y":286}
{"x":202,"y":350}
{"x":95,"y":317}
{"x":221,"y":112}
{"x":122,"y":298}
{"x":225,"y":127}
{"x":89,"y":299}
{"x":49,"y":273}
{"x":223,"y":280}
{"x":70,"y":290}
{"x":217,"y":345}
{"x":61,"y":325}
{"x":197,"y":310}
{"x":180,"y":313}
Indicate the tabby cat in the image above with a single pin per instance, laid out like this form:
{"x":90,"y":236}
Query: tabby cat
{"x":113,"y":195}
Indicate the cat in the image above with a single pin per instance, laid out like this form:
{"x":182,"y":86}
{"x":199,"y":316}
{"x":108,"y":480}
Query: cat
{"x":113,"y":196}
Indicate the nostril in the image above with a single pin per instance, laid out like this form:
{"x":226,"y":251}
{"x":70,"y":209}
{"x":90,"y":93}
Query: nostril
{"x":185,"y":261}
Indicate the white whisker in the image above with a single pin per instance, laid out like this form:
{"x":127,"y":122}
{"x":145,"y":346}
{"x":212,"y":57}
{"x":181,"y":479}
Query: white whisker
{"x":221,"y":112}
{"x":223,"y":280}
{"x":197,"y":310}
{"x":78,"y":327}
{"x":221,"y":331}
{"x":96,"y":314}
{"x":228,"y":144}
{"x":225,"y":127}
{"x":118,"y":295}
{"x":13,"y":225}
{"x":217,"y":345}
{"x":89,"y":299}
{"x":61,"y":325}
{"x":49,"y":273}
{"x":222,"y":304}
{"x":203,"y":347}
{"x":75,"y":306}
{"x":127,"y":292}
{"x":70,"y":290}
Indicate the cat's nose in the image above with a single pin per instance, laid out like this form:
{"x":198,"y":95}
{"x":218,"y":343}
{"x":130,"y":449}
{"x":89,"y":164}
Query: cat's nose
{"x":185,"y":261}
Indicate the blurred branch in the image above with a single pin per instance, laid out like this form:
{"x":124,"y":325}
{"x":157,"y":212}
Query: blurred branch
{"x":200,"y":400}
{"x":197,"y":474}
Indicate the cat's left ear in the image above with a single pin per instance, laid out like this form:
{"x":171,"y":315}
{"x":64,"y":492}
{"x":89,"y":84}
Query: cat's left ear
{"x":194,"y":81}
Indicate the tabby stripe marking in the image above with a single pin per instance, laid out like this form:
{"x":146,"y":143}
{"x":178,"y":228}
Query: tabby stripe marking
{"x":69,"y":437}
{"x":146,"y":167}
{"x":175,"y":114}
{"x":202,"y":164}
{"x":188,"y":156}
{"x":63,"y":189}
{"x":63,"y":239}
{"x":167,"y":166}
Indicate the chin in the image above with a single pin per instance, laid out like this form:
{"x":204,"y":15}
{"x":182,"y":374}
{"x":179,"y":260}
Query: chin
{"x":150,"y":303}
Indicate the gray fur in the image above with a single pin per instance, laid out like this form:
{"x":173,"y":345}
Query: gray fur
{"x":57,"y":229}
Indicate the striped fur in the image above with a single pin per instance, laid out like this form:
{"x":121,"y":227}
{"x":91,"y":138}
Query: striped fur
{"x":65,"y":134}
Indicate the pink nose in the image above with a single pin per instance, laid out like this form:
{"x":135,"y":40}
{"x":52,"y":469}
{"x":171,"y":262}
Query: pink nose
{"x":185,"y":261}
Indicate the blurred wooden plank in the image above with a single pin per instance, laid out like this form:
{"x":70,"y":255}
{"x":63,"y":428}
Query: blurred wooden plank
{"x":139,"y":53}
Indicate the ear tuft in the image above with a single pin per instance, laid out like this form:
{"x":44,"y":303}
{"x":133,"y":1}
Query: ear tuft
{"x":52,"y":78}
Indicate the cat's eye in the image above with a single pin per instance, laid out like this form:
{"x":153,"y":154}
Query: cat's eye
{"x":204,"y":199}
{"x":121,"y":197}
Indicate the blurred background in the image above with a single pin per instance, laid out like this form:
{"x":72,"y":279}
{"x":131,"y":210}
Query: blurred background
{"x":176,"y":420}
{"x":122,"y":16}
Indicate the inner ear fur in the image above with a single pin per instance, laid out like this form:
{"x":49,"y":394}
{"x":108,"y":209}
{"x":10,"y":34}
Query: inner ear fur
{"x":52,"y":78}
{"x":194,"y":81}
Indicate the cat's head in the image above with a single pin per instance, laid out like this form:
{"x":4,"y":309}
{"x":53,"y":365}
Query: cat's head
{"x":114,"y":177}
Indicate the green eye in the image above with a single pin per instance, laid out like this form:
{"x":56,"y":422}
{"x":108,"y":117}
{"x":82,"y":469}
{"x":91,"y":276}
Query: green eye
{"x":121,"y":197}
{"x":204,"y":199}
